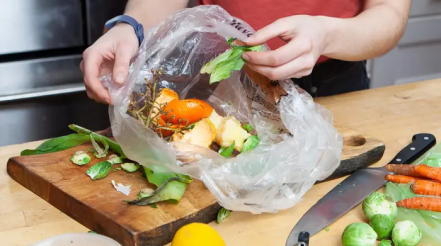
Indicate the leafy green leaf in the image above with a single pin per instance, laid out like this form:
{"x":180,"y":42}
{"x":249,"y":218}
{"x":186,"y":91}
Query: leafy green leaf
{"x":247,"y":127}
{"x":222,"y":214}
{"x":153,"y":205}
{"x":210,"y":66}
{"x":159,"y":178}
{"x":224,"y":68}
{"x":228,"y":151}
{"x":99,"y":170}
{"x":130,"y":167}
{"x":221,"y":67}
{"x":116,"y":169}
{"x":57,"y":144}
{"x":250,"y":143}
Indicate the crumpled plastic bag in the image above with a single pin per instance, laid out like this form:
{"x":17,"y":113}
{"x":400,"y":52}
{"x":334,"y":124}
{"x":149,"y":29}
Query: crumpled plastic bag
{"x":298,"y":143}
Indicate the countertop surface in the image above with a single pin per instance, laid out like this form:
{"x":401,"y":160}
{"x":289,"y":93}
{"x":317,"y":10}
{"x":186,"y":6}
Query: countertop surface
{"x":392,"y":114}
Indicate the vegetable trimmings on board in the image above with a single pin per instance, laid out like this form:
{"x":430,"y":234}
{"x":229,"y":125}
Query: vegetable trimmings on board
{"x":80,"y":158}
{"x":99,"y":170}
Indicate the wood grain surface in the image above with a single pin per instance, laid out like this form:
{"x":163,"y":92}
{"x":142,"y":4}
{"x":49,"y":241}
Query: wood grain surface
{"x":98,"y":206}
{"x":392,"y":114}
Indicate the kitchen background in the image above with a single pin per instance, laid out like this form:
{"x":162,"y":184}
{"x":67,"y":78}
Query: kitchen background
{"x":41,"y":45}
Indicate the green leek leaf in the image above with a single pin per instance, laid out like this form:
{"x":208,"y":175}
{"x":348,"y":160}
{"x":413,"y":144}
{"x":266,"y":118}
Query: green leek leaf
{"x":57,"y":144}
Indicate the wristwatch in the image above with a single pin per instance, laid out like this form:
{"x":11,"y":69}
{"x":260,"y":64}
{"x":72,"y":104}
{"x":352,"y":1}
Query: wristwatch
{"x":139,"y":29}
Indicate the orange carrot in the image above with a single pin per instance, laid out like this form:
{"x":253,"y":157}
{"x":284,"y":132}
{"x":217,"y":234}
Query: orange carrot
{"x":403,"y":169}
{"x":401,"y":179}
{"x":429,"y":172}
{"x":423,"y":203}
{"x":425,"y":187}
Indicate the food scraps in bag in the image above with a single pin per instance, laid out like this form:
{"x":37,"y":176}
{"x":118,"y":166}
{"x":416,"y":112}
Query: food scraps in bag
{"x":191,"y":121}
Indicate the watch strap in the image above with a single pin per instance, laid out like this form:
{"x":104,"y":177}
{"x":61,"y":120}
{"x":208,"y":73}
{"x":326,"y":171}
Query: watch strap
{"x":139,"y":29}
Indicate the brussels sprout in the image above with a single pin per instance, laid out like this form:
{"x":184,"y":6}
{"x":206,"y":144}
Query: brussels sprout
{"x":385,"y":243}
{"x":80,"y":158}
{"x":130,"y":167}
{"x":359,"y":234}
{"x":379,"y":203}
{"x":382,"y":225}
{"x":406,"y":233}
{"x":114,"y":159}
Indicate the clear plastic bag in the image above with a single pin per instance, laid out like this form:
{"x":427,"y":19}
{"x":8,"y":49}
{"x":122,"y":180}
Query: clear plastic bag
{"x":298,"y":146}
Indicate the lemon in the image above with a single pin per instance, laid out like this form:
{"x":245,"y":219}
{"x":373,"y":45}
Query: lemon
{"x":197,"y":234}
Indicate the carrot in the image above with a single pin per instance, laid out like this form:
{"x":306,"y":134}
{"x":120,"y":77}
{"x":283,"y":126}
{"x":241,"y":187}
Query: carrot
{"x":403,"y":169}
{"x":423,"y":203}
{"x":429,"y":172}
{"x":425,"y":187}
{"x":401,"y":179}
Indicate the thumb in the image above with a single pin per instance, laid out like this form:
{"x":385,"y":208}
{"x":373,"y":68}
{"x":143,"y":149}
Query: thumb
{"x":270,"y":31}
{"x":123,"y":54}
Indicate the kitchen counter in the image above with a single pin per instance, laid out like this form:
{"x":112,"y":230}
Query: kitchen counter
{"x":391,"y":114}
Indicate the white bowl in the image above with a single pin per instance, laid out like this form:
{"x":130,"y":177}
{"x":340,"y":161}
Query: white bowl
{"x":78,"y":239}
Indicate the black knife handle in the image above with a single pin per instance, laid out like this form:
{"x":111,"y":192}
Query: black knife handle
{"x":421,"y":143}
{"x":303,"y":239}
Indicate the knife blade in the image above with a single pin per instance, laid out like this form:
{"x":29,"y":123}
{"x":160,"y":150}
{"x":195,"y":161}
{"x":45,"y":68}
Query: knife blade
{"x":354,"y":189}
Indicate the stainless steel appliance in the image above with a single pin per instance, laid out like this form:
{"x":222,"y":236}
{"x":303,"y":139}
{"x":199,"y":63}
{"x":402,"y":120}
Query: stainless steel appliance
{"x":41,"y":85}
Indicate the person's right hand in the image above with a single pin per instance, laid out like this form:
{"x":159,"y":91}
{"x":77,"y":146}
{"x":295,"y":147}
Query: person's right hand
{"x":110,"y":53}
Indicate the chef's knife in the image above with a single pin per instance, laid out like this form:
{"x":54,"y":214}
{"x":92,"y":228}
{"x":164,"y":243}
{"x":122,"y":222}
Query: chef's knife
{"x":354,"y":189}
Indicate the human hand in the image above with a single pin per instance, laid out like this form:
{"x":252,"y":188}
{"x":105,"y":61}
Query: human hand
{"x":112,"y":52}
{"x":306,"y":41}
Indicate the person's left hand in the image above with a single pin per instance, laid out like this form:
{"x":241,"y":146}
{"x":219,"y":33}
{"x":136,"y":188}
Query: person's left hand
{"x":306,"y":40}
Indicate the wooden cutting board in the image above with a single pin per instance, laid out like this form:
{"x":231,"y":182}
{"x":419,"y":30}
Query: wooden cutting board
{"x":99,"y":207}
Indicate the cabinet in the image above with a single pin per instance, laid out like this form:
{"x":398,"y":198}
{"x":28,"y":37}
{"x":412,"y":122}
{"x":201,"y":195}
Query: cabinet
{"x":418,"y":54}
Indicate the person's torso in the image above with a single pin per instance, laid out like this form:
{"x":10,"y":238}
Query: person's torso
{"x":260,"y":13}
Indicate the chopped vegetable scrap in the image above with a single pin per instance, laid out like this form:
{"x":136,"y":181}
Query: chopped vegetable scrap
{"x":114,"y":159}
{"x":222,"y":214}
{"x":80,"y":158}
{"x":99,"y":170}
{"x":130,"y":167}
{"x":121,"y":188}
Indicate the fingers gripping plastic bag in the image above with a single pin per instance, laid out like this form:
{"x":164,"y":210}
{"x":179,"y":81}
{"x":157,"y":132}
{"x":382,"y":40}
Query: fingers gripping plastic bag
{"x":157,"y":127}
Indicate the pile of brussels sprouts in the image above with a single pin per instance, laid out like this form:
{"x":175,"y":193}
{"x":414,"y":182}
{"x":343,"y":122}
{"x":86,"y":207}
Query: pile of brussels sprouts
{"x":381,"y":211}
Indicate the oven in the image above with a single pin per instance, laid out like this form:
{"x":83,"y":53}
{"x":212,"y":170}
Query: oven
{"x":41,"y":85}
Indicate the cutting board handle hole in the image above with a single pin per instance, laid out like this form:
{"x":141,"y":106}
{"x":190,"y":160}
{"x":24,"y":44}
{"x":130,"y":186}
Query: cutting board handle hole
{"x":356,"y":140}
